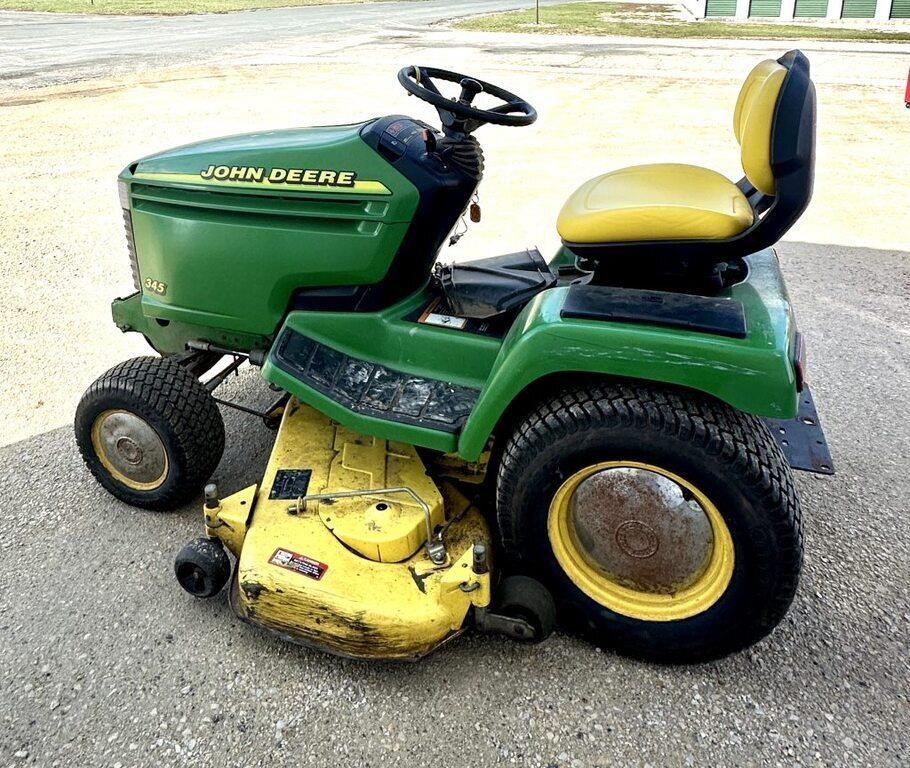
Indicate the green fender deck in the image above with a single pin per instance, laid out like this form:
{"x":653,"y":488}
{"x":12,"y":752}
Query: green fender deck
{"x":754,"y":374}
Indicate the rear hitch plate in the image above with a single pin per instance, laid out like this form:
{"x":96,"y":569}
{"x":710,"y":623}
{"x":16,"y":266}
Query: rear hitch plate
{"x":802,"y":439}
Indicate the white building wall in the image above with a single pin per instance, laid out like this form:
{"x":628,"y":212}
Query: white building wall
{"x":835,"y":8}
{"x":696,"y":7}
{"x":787,"y":8}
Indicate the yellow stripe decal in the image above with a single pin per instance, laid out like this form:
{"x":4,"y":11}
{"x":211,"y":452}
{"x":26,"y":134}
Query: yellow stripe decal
{"x":357,"y":187}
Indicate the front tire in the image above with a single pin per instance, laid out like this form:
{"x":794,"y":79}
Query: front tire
{"x":664,"y":522}
{"x":150,"y":432}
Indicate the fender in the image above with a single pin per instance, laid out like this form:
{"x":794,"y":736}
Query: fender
{"x":754,"y":374}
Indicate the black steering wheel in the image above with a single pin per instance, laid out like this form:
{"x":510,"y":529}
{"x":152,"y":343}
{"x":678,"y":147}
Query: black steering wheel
{"x":458,"y":114}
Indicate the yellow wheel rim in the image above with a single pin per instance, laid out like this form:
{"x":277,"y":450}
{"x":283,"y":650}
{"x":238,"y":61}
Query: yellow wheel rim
{"x":130,"y":449}
{"x":641,"y":541}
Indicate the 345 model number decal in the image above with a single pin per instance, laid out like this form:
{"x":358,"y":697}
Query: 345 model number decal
{"x":156,"y":286}
{"x":320,"y":177}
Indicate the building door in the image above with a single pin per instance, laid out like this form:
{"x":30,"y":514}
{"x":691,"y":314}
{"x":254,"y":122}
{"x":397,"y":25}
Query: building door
{"x":720,"y":8}
{"x":764,"y":8}
{"x":811,"y":9}
{"x":858,"y":9}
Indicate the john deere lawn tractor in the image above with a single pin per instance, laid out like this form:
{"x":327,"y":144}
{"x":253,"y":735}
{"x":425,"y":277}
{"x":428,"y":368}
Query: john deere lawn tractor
{"x":603,"y":438}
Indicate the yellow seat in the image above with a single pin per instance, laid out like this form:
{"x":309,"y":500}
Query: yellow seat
{"x":685,"y":202}
{"x":655,"y":202}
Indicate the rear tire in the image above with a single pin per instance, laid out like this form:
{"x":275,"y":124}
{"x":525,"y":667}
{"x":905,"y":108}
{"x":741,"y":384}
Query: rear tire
{"x":725,"y":456}
{"x":150,"y":432}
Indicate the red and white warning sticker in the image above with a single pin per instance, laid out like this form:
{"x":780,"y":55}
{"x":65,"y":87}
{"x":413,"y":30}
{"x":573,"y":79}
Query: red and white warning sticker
{"x":302,"y":564}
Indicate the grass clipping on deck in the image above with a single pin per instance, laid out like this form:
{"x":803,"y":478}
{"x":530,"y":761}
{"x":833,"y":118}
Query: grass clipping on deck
{"x":657,"y":20}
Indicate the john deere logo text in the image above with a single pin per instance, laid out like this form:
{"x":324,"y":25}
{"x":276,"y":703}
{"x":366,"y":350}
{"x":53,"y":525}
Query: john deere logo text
{"x":280,"y":175}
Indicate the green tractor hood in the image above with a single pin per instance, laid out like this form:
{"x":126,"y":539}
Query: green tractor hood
{"x":223,"y":232}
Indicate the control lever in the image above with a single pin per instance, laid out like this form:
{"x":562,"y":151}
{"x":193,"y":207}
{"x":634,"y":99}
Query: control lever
{"x":429,"y":140}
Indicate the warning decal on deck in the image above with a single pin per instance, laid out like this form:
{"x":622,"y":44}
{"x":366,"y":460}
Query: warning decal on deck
{"x":302,"y":564}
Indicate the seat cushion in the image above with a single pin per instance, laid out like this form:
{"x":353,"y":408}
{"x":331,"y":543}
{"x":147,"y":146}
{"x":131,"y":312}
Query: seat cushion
{"x":655,"y":202}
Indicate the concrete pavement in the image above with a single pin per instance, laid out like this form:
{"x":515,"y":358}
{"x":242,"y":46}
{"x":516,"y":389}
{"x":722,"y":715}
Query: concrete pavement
{"x":45,"y":49}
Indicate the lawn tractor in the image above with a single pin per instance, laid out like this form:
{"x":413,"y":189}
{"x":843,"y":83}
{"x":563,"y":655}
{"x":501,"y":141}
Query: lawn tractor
{"x":603,"y":439}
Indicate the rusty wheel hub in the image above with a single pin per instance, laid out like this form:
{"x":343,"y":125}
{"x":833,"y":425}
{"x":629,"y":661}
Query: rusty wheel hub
{"x":641,"y":529}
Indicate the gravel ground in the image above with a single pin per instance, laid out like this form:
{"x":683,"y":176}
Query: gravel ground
{"x":107,"y":662}
{"x":40,"y":49}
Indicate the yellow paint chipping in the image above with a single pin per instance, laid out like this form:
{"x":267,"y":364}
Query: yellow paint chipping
{"x":646,"y":606}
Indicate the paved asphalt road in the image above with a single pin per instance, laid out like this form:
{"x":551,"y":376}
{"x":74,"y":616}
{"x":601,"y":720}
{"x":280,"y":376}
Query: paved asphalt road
{"x":105,"y":662}
{"x":42,"y":49}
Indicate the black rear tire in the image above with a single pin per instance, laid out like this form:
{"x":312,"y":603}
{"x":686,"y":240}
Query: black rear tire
{"x":177,"y":418}
{"x":728,"y":454}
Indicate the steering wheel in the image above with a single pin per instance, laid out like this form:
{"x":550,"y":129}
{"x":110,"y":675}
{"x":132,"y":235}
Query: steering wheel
{"x":458,"y":114}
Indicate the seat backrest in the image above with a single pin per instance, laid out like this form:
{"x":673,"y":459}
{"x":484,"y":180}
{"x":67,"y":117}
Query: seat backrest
{"x":753,"y":122}
{"x":774,"y":123}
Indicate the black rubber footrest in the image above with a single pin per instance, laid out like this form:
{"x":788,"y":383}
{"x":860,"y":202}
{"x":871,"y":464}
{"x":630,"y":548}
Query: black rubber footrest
{"x":706,"y":314}
{"x":373,"y":389}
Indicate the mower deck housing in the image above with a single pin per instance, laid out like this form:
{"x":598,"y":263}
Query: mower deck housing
{"x":351,"y":574}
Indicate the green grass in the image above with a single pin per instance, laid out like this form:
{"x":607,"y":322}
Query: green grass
{"x":160,"y":7}
{"x":655,"y":20}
